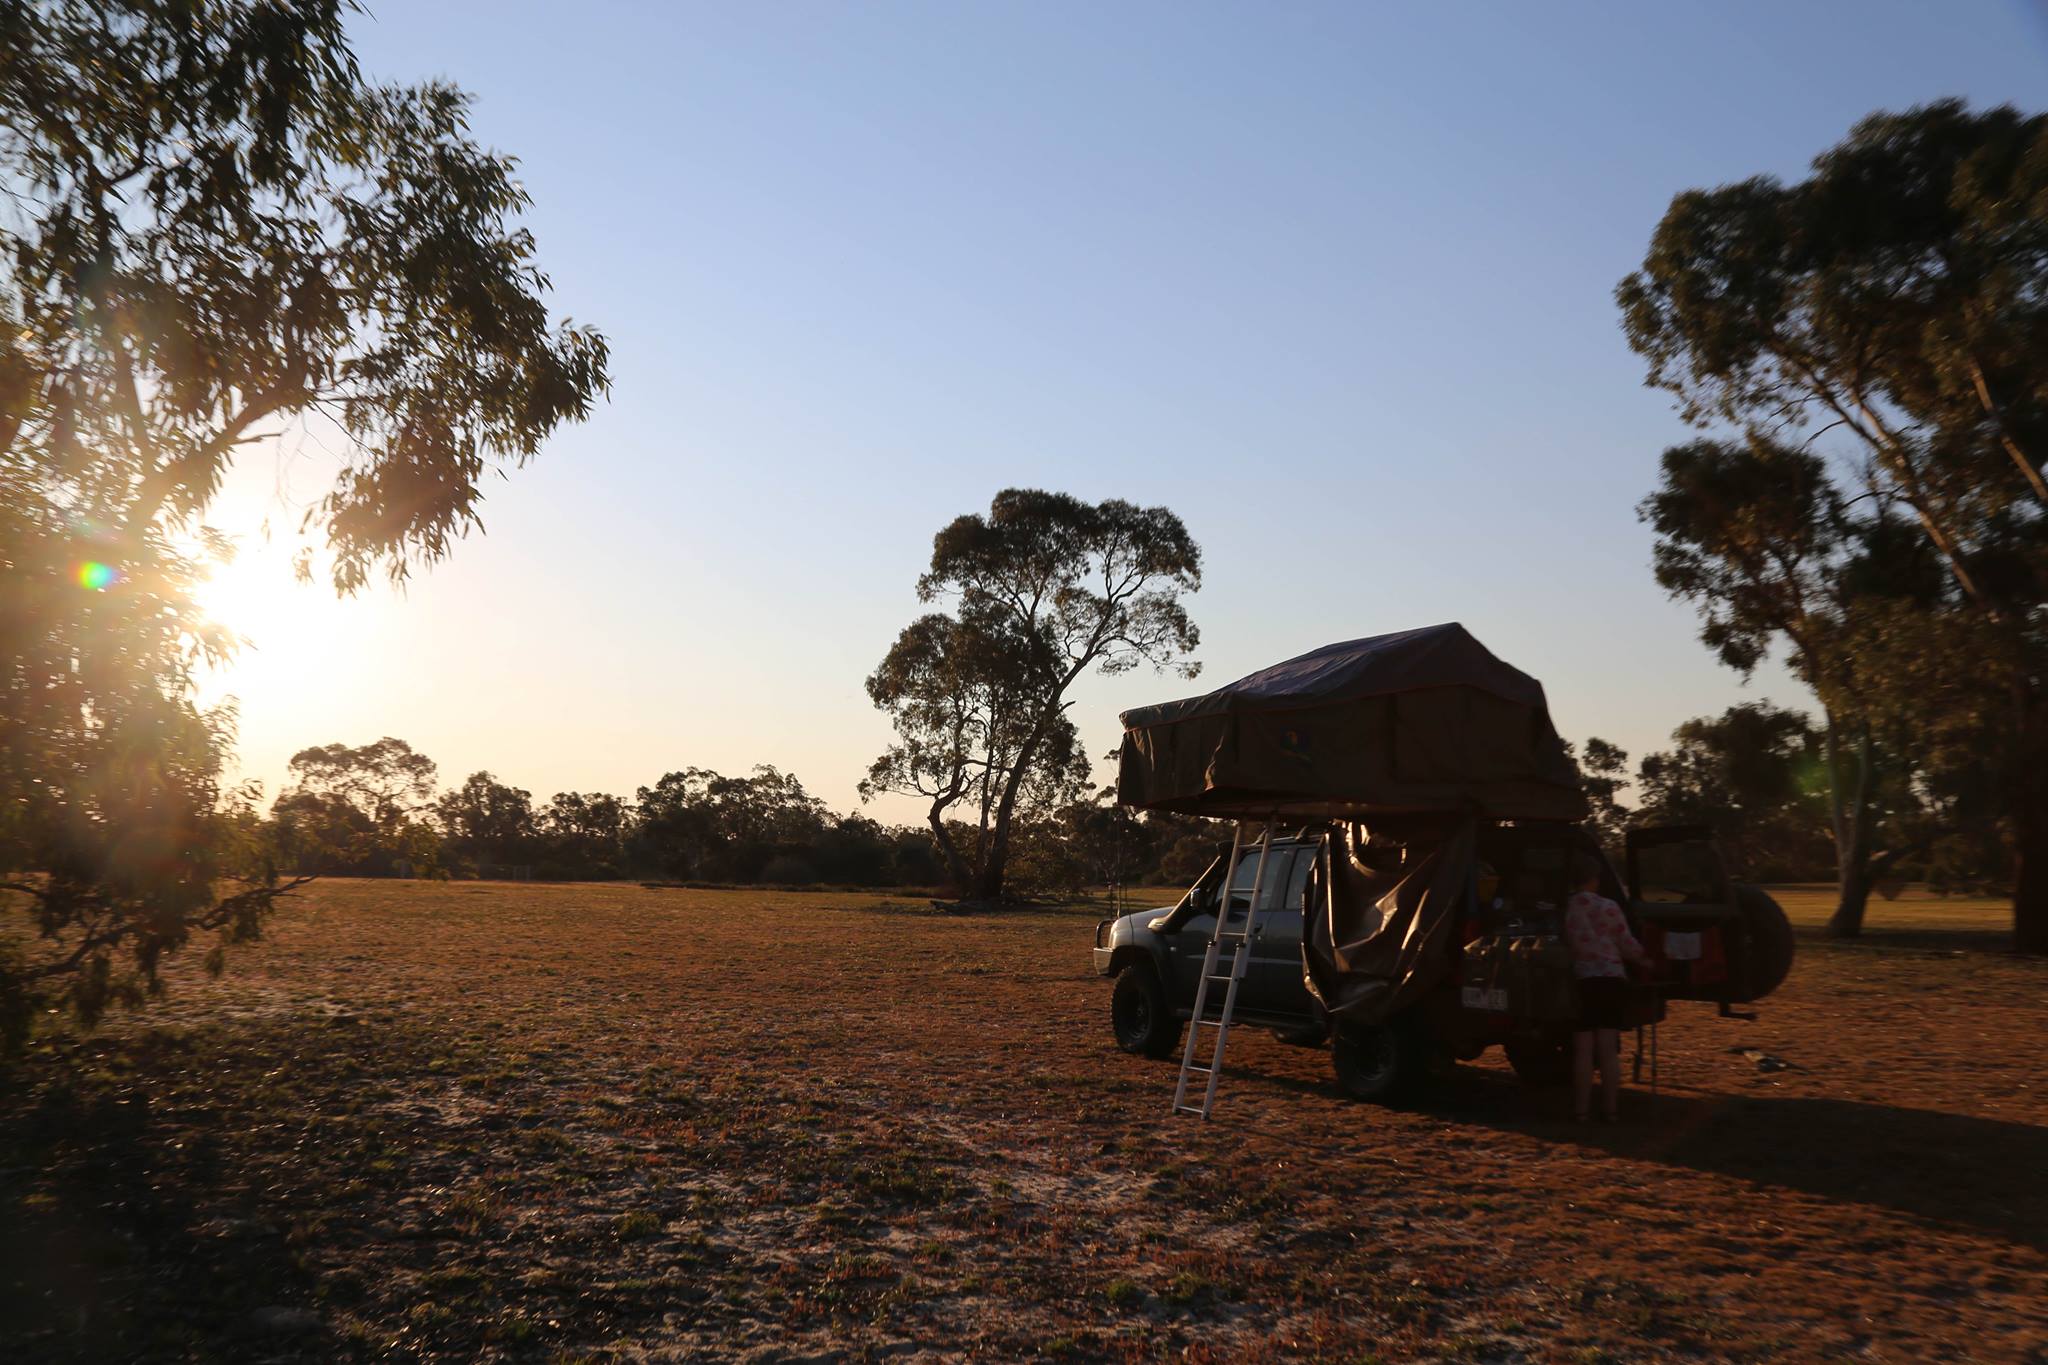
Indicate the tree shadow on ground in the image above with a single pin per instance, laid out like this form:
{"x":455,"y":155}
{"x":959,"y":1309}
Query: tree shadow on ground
{"x":1942,"y":941}
{"x":1949,"y":1168}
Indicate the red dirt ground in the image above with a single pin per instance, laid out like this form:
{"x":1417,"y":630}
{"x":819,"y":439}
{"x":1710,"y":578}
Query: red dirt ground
{"x":493,"y":1121}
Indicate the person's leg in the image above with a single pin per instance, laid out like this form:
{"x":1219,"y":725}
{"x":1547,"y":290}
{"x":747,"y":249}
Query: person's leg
{"x":1582,"y":1073}
{"x":1610,"y":1071}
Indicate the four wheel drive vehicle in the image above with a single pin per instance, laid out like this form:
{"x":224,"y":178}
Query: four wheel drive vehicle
{"x":1416,"y":915}
{"x":1508,"y":978}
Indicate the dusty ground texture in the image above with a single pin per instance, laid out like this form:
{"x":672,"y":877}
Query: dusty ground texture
{"x":489,"y":1121}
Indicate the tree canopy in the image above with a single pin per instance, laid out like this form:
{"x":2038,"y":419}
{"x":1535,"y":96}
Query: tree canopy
{"x":1875,"y":334}
{"x":1042,"y":589}
{"x":217,"y":227}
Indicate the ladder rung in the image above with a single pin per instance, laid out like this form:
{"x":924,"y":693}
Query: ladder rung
{"x":1189,"y":1109}
{"x":1220,"y":976}
{"x":1201,"y":1070}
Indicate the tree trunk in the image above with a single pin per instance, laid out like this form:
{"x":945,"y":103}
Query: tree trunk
{"x":1852,"y":899}
{"x":2030,"y":826}
{"x":988,"y":885}
{"x":1852,"y":821}
{"x":955,"y":864}
{"x":2030,"y":890}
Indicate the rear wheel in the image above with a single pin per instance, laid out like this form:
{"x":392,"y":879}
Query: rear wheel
{"x":1138,"y":1011}
{"x":1540,"y":1061}
{"x":1768,"y":958}
{"x":1378,"y":1063}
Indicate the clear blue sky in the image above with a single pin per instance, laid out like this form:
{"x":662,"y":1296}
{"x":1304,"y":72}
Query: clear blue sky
{"x":1331,"y":281}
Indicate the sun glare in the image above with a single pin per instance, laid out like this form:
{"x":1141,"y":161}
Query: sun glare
{"x":244,"y":594}
{"x":256,"y":598}
{"x":94,"y":576}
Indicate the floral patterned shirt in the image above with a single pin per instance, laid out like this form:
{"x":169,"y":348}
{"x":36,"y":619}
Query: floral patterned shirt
{"x":1599,"y":937}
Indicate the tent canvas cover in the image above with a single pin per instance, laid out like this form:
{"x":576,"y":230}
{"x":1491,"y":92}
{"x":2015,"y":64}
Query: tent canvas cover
{"x":1419,"y":721}
{"x":1424,"y":730}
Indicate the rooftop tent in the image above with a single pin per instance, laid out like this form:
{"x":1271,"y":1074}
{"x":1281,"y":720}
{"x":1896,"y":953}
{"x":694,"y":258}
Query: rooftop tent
{"x":1417,"y":722}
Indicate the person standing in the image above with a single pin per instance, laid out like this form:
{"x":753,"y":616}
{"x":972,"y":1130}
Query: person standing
{"x":1601,"y":947}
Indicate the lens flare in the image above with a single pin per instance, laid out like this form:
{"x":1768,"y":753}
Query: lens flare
{"x":94,"y":576}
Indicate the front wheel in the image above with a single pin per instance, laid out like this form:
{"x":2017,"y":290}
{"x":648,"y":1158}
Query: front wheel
{"x":1138,"y":1011}
{"x":1378,"y":1063}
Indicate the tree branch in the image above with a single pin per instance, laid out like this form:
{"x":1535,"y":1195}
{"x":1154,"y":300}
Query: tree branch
{"x":165,"y":478}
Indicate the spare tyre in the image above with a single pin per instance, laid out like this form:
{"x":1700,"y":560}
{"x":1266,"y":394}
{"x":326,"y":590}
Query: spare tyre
{"x":1767,"y":955}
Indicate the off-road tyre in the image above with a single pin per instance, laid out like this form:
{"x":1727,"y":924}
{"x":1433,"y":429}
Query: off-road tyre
{"x":1381,"y":1063}
{"x":1541,"y":1062}
{"x":1768,"y":960}
{"x":1144,"y":1022}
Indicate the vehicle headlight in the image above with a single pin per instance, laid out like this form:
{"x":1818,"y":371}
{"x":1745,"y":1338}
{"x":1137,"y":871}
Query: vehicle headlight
{"x":1102,"y":928}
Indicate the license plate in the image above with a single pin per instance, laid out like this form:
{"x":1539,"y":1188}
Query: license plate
{"x":1484,"y":998}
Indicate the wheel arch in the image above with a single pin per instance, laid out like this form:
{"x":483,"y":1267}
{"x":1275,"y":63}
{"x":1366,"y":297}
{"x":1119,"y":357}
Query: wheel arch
{"x":1128,"y":953}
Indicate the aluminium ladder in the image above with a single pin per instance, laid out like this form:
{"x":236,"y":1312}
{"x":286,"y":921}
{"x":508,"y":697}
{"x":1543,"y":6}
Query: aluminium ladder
{"x":1240,"y":959}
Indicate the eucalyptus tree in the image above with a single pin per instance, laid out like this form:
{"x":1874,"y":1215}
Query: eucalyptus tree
{"x":214,"y":226}
{"x":1757,"y":535}
{"x":1041,"y":590}
{"x":1891,"y":309}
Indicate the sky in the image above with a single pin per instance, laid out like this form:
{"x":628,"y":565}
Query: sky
{"x":1333,"y":282}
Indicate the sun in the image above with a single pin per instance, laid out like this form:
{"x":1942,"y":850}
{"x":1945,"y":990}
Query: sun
{"x":255,"y":596}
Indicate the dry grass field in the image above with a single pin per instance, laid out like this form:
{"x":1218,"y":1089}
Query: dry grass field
{"x":494,"y":1121}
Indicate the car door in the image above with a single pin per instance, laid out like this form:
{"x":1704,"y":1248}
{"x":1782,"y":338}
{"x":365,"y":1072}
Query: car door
{"x":1273,"y":982}
{"x":1189,"y":946}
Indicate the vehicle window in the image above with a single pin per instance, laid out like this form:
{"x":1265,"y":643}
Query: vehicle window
{"x":1680,"y":874}
{"x":1297,"y":884}
{"x":1286,"y":875}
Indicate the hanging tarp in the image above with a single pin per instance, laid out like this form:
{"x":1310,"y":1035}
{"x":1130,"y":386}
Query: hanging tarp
{"x":1380,"y":922}
{"x":1414,"y":722}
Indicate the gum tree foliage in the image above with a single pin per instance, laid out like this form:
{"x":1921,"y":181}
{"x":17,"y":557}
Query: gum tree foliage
{"x":1892,"y":310}
{"x":214,"y":226}
{"x":1758,"y":536}
{"x":700,"y":824}
{"x":1041,"y":590}
{"x":962,"y":715}
{"x":583,"y":834}
{"x":1750,"y":775}
{"x":489,"y":821}
{"x":1603,"y":772}
{"x":383,"y":782}
{"x":356,"y":808}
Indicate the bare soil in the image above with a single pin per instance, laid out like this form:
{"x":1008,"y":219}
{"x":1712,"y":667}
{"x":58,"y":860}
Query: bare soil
{"x":507,"y":1122}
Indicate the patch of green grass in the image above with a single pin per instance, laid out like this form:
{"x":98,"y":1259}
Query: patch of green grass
{"x":1187,"y":1287}
{"x":1122,"y":1292}
{"x":454,"y":1278}
{"x":635,"y":1224}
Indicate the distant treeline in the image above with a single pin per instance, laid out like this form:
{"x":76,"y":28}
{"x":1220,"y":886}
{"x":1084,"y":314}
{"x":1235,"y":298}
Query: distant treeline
{"x":1755,"y":774}
{"x":377,"y":810}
